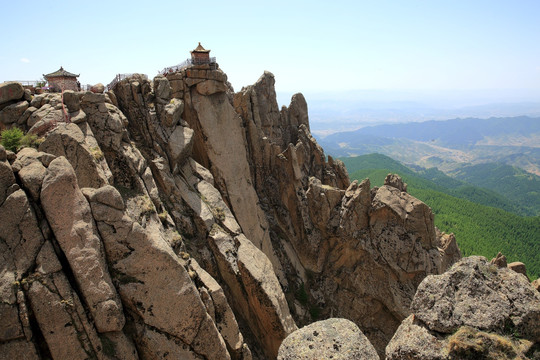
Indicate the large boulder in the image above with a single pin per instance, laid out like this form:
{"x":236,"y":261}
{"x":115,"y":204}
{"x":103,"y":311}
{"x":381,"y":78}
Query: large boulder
{"x":10,"y":91}
{"x":11,"y":114}
{"x":475,"y":309}
{"x":80,"y":150}
{"x":328,"y":339}
{"x":98,"y":88}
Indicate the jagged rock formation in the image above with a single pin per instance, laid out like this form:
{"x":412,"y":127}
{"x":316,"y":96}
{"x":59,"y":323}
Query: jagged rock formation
{"x":474,"y":310}
{"x":328,"y":339}
{"x":360,"y":253}
{"x":175,"y":218}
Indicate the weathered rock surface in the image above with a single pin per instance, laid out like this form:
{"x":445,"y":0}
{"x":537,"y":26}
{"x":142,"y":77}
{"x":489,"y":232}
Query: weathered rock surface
{"x":11,"y":114}
{"x":188,"y":187}
{"x":518,"y":267}
{"x":328,"y":339}
{"x":536,"y":284}
{"x":10,"y":91}
{"x":174,"y":218}
{"x":98,"y":88}
{"x":82,"y":152}
{"x":70,"y":218}
{"x":355,"y":253}
{"x":475,"y":308}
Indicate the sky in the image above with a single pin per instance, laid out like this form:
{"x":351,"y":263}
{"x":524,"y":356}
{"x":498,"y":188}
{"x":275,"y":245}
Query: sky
{"x":310,"y":46}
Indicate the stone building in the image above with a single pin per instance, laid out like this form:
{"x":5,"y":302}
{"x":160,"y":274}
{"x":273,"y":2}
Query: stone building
{"x":62,"y":80}
{"x":200,"y":55}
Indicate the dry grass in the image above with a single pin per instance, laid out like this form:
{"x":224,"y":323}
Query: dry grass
{"x":469,"y":343}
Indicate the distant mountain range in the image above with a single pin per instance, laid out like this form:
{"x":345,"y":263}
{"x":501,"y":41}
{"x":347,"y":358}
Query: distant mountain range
{"x":447,"y":144}
{"x":485,"y":219}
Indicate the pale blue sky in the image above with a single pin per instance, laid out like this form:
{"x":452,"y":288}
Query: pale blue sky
{"x":308,"y":45}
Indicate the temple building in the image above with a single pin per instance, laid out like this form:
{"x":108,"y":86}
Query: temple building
{"x":62,"y":80}
{"x":200,"y":55}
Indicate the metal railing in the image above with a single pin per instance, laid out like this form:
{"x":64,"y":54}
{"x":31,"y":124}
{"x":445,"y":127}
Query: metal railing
{"x":33,"y":83}
{"x":120,"y":77}
{"x":188,"y":62}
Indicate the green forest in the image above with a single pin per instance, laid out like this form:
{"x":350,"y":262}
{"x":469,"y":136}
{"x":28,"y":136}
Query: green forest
{"x":483,"y":221}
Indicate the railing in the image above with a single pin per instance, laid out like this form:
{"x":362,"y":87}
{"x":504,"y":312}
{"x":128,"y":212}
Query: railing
{"x":188,"y":62}
{"x":33,"y":83}
{"x":121,"y":77}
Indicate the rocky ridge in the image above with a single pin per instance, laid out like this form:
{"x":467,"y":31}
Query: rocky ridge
{"x":176,"y":218}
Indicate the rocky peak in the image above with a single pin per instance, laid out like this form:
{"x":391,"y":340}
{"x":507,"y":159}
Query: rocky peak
{"x":173,"y":216}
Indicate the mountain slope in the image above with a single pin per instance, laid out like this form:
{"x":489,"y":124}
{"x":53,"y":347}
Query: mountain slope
{"x":505,"y":180}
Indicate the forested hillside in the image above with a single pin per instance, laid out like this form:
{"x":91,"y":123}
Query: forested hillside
{"x":504,"y":179}
{"x":479,"y":229}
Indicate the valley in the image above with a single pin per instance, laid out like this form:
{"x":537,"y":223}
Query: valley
{"x":448,"y":144}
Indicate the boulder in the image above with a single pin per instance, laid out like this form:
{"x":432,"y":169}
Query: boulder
{"x":44,"y":119}
{"x":395,"y":181}
{"x":449,"y":250}
{"x":31,"y":171}
{"x":210,"y":87}
{"x":71,"y":99}
{"x":87,"y":158}
{"x":536,"y":284}
{"x":11,"y":114}
{"x":499,"y":260}
{"x":478,"y":294}
{"x":107,"y":122}
{"x":474,"y":310}
{"x":7,"y":180}
{"x":518,"y":267}
{"x":10,"y":91}
{"x":179,"y":145}
{"x":172,"y":112}
{"x":328,"y":339}
{"x":162,"y":89}
{"x":20,"y":231}
{"x":98,"y":88}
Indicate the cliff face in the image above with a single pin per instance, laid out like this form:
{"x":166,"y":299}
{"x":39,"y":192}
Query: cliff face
{"x":175,"y":218}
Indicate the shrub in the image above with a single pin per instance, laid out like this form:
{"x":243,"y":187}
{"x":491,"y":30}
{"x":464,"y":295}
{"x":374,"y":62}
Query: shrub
{"x":29,"y":140}
{"x":11,"y":138}
{"x":96,"y":152}
{"x":301,"y":294}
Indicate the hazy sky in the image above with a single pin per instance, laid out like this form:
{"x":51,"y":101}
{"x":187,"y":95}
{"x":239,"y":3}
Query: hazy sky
{"x":308,"y":45}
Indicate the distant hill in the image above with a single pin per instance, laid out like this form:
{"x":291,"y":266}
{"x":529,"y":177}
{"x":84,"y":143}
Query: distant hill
{"x":479,"y":229}
{"x":512,"y":182}
{"x":445,"y":144}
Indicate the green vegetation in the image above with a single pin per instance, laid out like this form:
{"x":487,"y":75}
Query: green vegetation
{"x":479,"y":229}
{"x":301,"y":295}
{"x":11,"y":138}
{"x":506,"y":180}
{"x":14,"y":139}
{"x":96,"y":152}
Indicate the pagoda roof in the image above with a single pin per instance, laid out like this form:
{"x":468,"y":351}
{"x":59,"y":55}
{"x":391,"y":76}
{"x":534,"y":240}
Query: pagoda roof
{"x":60,"y":72}
{"x":200,"y":49}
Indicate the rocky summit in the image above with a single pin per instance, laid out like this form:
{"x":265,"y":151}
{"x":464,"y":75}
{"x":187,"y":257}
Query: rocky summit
{"x":174,"y":218}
